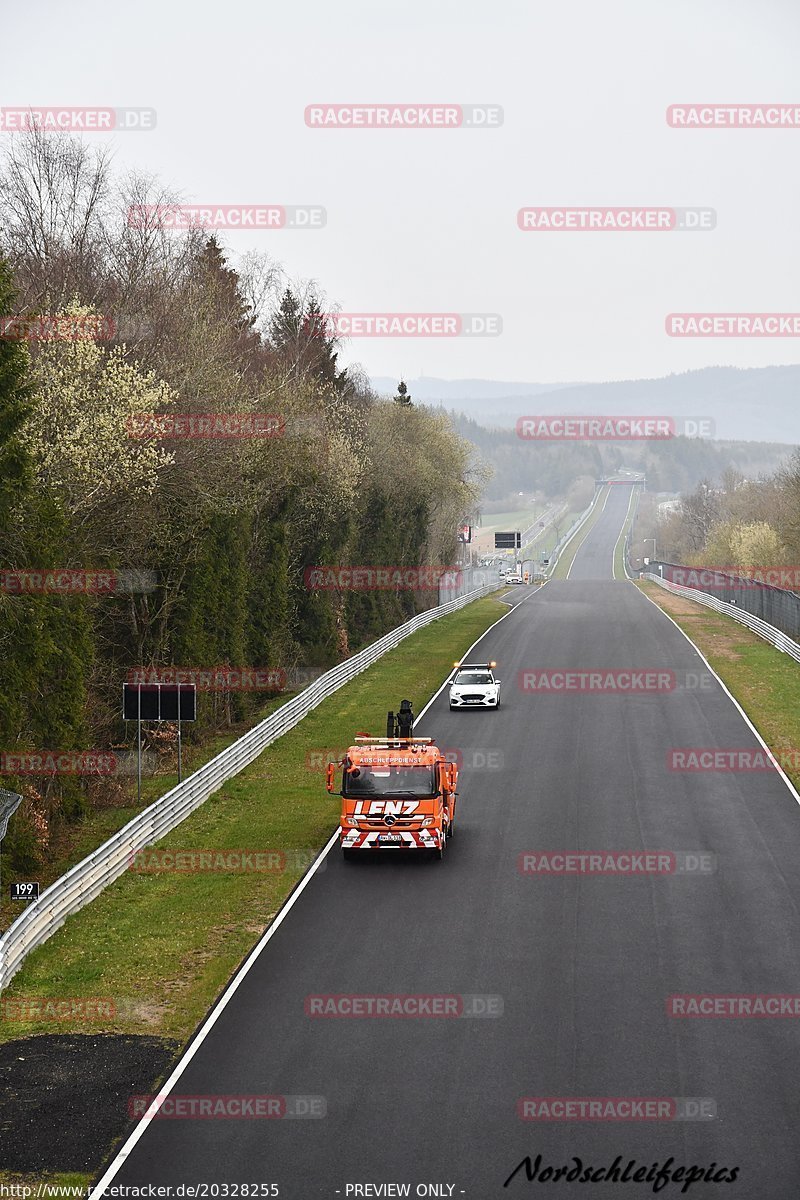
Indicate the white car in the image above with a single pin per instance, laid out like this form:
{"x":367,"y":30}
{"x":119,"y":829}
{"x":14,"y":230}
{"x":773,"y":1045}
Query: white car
{"x":474,"y":686}
{"x":513,"y":579}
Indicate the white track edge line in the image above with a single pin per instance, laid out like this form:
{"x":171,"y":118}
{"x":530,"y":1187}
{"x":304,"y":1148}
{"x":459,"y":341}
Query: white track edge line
{"x":616,"y":543}
{"x":577,"y":531}
{"x":728,"y":693}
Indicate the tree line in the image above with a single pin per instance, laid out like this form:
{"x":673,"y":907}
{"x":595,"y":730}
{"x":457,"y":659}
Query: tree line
{"x":673,"y":465}
{"x":213,"y":536}
{"x":732,"y":521}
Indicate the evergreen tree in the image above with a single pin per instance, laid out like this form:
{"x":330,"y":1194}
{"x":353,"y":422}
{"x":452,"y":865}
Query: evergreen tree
{"x":403,"y":396}
{"x":320,"y":348}
{"x":15,"y":471}
{"x":286,"y":326}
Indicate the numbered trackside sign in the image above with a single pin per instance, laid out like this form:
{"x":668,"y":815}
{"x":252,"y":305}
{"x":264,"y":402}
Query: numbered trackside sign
{"x":24,"y":891}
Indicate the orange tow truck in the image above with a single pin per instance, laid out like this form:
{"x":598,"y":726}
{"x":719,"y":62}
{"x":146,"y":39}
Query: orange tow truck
{"x":398,"y":793}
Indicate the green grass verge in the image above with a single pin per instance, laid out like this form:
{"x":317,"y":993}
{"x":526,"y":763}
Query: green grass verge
{"x":160,"y":946}
{"x":547,"y":539}
{"x":76,"y":841}
{"x":765,"y":682}
{"x":567,"y":556}
{"x":510,"y":520}
{"x":64,"y":1180}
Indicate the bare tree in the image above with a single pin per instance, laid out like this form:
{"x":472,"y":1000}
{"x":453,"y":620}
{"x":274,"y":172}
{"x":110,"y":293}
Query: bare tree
{"x":261,"y":280}
{"x":54,"y":196}
{"x":701,"y":510}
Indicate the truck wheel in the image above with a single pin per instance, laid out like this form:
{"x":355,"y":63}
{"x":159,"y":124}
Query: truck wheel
{"x":349,"y":855}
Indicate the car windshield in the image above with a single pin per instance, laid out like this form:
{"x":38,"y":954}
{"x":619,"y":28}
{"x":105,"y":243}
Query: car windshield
{"x":390,"y":781}
{"x":470,"y":678}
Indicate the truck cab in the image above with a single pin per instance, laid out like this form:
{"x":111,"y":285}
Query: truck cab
{"x":397,"y":794}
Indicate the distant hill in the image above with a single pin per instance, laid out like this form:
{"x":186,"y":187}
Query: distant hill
{"x":430,"y":391}
{"x":746,"y":404}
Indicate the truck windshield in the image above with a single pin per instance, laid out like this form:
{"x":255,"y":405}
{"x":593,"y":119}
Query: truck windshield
{"x":470,"y":678}
{"x":390,"y":781}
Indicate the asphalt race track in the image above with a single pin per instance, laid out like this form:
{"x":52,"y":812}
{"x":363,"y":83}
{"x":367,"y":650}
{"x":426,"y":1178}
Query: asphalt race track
{"x":583,"y":964}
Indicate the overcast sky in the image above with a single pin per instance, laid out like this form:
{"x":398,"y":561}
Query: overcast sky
{"x":425,"y":220}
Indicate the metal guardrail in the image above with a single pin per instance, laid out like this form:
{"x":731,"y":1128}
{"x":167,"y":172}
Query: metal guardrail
{"x":87,"y":879}
{"x":777,"y":606}
{"x":775,"y":637}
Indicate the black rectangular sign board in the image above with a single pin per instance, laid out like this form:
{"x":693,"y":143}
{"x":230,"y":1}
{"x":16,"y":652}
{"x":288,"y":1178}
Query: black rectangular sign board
{"x":24,"y":891}
{"x":159,"y":701}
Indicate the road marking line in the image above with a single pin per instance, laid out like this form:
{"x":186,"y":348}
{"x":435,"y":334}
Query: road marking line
{"x":725,"y":689}
{"x":616,"y":543}
{"x":475,"y":643}
{"x":577,"y":531}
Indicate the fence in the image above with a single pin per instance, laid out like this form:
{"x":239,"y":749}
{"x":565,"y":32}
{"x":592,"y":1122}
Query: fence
{"x":466,"y":580}
{"x":88,"y":878}
{"x":775,"y":637}
{"x":773,"y":605}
